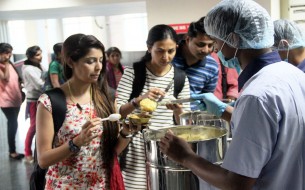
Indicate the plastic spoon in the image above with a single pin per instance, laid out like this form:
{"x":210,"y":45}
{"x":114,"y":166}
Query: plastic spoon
{"x":112,"y":117}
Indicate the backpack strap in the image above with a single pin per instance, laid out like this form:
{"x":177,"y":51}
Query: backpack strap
{"x":179,"y":80}
{"x":139,"y":79}
{"x":59,"y":107}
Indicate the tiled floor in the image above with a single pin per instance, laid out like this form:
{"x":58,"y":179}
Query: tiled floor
{"x":14,"y":175}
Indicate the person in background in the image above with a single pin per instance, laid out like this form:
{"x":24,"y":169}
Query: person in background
{"x":227,"y":84}
{"x":84,"y":152}
{"x":268,"y":121}
{"x":115,"y":69}
{"x":10,"y":97}
{"x":32,"y":74}
{"x":289,"y":40}
{"x":193,"y":56}
{"x":158,"y":73}
{"x":55,"y":76}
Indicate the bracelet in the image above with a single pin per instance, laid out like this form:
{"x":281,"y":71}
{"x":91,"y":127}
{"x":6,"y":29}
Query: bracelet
{"x":133,"y":102}
{"x":125,"y":136}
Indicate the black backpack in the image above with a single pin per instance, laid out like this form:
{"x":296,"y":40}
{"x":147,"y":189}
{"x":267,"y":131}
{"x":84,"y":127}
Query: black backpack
{"x":140,"y":78}
{"x":138,"y":85}
{"x":59,"y":108}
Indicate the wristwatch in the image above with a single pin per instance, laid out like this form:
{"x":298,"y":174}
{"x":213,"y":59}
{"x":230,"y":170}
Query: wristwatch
{"x":72,"y":147}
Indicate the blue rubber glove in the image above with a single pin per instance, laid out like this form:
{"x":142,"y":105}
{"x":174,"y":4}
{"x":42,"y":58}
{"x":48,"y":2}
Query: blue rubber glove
{"x":232,"y":104}
{"x":213,"y":104}
{"x":200,"y":105}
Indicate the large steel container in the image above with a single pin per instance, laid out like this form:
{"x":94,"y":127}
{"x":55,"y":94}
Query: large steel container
{"x":165,"y":174}
{"x":204,"y":118}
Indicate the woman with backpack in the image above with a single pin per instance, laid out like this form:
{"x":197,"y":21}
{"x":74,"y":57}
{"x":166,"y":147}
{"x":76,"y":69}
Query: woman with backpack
{"x":84,"y":152}
{"x":152,"y":77}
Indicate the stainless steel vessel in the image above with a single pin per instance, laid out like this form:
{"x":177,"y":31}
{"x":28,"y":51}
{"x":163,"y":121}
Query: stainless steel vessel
{"x":204,"y":118}
{"x":190,"y":118}
{"x":165,"y":174}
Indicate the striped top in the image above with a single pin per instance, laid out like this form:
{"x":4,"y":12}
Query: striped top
{"x":203,"y":75}
{"x":135,"y":172}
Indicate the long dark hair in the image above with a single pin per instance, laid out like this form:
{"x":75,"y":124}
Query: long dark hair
{"x":74,"y":48}
{"x":30,"y":53}
{"x":5,"y":48}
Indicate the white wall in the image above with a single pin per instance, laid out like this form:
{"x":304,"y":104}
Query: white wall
{"x":174,"y":12}
{"x":127,"y":32}
{"x":13,"y":5}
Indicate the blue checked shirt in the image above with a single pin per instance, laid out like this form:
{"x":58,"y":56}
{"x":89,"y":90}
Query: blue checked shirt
{"x":202,"y":76}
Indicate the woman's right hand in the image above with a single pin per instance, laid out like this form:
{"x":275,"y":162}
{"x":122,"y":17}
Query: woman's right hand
{"x":153,"y":94}
{"x":129,"y":128}
{"x":90,"y":130}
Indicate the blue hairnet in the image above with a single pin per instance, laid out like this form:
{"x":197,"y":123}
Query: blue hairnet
{"x":289,"y":31}
{"x":242,"y":24}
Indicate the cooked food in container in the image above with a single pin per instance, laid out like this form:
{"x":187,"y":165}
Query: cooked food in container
{"x":139,"y":118}
{"x":189,"y":133}
{"x":148,"y":105}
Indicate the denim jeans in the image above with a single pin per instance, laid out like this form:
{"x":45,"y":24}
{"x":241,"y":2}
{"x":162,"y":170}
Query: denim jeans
{"x":11,"y":114}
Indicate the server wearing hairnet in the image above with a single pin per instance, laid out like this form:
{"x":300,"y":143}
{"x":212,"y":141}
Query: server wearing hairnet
{"x":268,"y":121}
{"x":290,"y":42}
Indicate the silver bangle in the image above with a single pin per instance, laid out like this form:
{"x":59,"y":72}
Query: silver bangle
{"x":133,"y":102}
{"x":125,"y":136}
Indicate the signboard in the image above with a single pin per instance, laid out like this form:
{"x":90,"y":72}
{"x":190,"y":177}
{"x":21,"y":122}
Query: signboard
{"x":180,"y":28}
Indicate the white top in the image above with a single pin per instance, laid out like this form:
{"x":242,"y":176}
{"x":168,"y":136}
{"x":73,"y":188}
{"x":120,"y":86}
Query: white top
{"x":135,"y":172}
{"x":268,"y":126}
{"x":32,"y":81}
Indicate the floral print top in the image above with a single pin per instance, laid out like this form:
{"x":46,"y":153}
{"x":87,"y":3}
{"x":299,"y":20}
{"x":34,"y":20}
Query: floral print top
{"x":83,"y":170}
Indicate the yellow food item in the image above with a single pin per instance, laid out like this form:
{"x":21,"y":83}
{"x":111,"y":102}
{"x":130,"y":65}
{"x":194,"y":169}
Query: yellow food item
{"x":195,"y":137}
{"x":139,"y":118}
{"x":148,"y":105}
{"x":134,"y":116}
{"x":185,"y":136}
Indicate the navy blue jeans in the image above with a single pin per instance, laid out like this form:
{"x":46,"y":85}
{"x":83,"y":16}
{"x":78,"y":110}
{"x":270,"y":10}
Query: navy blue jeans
{"x":11,"y":115}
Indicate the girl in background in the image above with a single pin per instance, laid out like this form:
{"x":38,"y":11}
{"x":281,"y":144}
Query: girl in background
{"x":10,"y":97}
{"x":115,"y":69}
{"x":32,"y":73}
